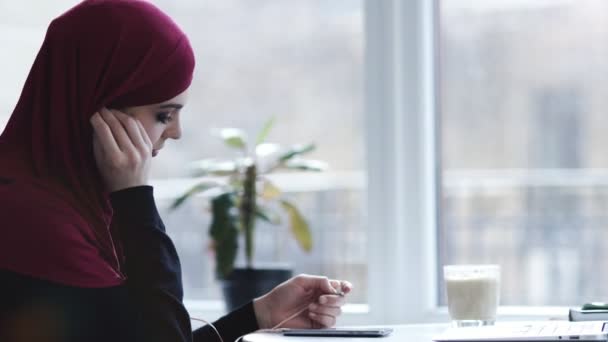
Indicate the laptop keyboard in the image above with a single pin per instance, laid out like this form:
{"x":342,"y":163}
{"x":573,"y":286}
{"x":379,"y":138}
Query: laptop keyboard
{"x":530,"y":331}
{"x":560,"y":328}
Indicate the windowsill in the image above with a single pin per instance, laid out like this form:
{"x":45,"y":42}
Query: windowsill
{"x":289,"y":182}
{"x":359,"y":313}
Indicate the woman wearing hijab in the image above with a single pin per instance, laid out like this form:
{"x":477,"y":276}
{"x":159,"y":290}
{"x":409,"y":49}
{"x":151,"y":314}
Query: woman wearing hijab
{"x":83,"y":252}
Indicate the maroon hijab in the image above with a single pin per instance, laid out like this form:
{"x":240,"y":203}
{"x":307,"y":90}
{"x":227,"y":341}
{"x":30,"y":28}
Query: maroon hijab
{"x":55,"y":218}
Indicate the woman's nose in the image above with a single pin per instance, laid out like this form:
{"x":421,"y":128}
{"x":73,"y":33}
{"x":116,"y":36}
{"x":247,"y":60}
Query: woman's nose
{"x":175,"y":131}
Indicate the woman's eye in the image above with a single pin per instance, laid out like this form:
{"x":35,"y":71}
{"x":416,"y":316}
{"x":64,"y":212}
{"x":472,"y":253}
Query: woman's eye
{"x":163,"y":117}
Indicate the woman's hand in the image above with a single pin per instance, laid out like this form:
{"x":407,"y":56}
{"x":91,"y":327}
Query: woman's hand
{"x":321,"y":299}
{"x":122,"y":149}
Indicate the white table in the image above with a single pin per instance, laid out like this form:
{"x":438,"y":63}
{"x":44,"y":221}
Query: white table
{"x":409,"y":333}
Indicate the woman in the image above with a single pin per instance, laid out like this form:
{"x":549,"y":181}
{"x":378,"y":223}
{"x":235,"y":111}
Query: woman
{"x":83,"y":253}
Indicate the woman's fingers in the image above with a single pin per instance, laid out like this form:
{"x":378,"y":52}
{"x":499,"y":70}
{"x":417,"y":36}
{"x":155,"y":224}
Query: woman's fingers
{"x":332,"y":300}
{"x":103,"y":133}
{"x":323,"y":320}
{"x":122,"y":151}
{"x":341,"y":285}
{"x":144,"y":134}
{"x":131,"y":126}
{"x":325,"y":310}
{"x":118,"y":130}
{"x":328,"y":306}
{"x":323,"y":284}
{"x":128,"y":132}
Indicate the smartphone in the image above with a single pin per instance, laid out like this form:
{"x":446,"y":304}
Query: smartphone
{"x":339,"y":332}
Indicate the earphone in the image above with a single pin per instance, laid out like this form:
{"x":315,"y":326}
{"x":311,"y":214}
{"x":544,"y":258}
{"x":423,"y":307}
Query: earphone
{"x":275,"y":329}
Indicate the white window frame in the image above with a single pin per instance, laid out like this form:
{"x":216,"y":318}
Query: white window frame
{"x":404,"y":166}
{"x":403,"y":171}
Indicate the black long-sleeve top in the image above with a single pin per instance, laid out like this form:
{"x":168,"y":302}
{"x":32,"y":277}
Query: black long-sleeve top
{"x":147,"y":307}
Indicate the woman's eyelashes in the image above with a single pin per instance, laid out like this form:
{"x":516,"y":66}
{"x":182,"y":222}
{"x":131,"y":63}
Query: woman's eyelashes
{"x":164,"y":117}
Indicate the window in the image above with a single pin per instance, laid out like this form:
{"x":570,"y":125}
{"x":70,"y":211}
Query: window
{"x":300,"y":61}
{"x":524,"y":156}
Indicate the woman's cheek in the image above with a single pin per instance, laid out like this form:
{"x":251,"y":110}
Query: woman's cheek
{"x":155,"y":136}
{"x":153,"y":131}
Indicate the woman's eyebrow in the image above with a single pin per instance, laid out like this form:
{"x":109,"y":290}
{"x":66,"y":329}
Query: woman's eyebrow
{"x":172,"y":105}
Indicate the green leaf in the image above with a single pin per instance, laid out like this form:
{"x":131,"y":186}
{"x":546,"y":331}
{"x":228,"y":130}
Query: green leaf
{"x":200,"y":187}
{"x":296,"y":150}
{"x":224,"y":232}
{"x":270,"y":191}
{"x":306,"y":165}
{"x":264,"y":215}
{"x":264,"y":132}
{"x":299,"y":226}
{"x":234,"y":137}
{"x":235,"y":182}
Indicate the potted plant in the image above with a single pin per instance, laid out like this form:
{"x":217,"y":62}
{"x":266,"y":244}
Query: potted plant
{"x":243,"y":195}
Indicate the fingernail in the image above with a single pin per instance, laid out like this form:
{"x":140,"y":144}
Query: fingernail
{"x":312,"y":306}
{"x":323,"y":300}
{"x":312,"y":314}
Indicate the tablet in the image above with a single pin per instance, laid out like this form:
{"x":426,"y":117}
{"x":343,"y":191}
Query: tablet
{"x":339,"y":332}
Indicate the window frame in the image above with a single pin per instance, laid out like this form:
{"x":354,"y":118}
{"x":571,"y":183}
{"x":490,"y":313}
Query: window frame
{"x":404,"y":166}
{"x":403,"y":174}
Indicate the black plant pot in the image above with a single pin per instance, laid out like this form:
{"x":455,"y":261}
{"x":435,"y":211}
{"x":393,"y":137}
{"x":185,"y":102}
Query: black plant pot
{"x":245,"y":284}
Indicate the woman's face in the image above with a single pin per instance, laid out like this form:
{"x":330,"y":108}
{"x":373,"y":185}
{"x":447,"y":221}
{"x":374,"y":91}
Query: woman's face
{"x":161,"y":121}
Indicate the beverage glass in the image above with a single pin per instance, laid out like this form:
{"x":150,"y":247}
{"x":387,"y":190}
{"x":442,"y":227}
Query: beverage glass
{"x":473,"y":293}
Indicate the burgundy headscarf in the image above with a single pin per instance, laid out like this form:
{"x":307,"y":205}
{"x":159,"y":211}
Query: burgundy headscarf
{"x":55,"y":217}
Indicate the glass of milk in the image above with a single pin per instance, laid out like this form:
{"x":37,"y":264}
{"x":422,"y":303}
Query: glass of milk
{"x":473,"y":293}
